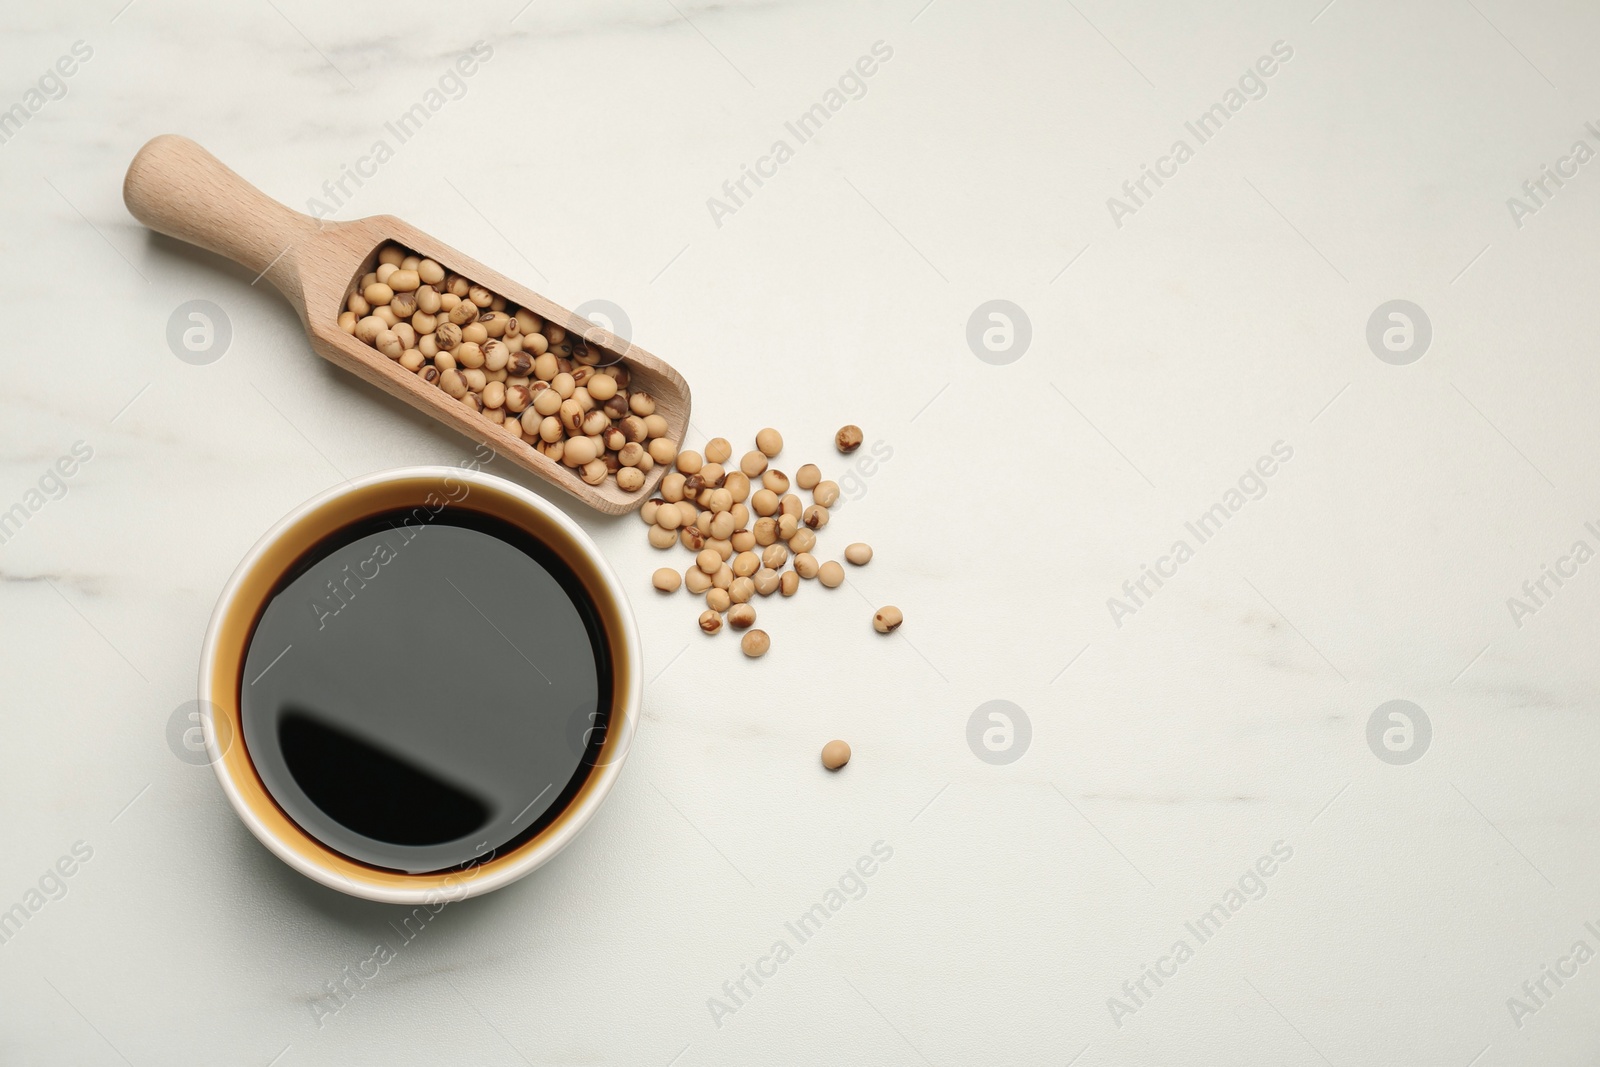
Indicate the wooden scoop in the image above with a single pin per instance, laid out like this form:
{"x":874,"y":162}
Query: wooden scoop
{"x":178,"y":188}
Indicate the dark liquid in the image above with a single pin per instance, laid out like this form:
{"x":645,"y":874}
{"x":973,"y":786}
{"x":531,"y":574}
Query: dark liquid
{"x":421,"y":697}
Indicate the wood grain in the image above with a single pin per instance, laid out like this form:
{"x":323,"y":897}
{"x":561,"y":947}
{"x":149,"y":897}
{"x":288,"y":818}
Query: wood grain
{"x":177,"y":188}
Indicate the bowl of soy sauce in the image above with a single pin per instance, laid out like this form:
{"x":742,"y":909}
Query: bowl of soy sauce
{"x":420,"y":685}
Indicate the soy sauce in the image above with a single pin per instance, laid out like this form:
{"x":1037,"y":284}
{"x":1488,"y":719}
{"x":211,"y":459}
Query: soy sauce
{"x":420,"y":696}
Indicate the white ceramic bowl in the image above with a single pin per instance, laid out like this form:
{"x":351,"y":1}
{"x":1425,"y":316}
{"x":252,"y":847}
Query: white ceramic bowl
{"x":227,"y":639}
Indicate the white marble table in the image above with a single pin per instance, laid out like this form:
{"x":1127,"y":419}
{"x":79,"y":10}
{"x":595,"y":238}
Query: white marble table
{"x":1178,"y":336}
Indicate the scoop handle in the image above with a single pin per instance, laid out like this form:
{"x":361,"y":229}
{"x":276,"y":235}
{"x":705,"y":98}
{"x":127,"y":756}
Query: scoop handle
{"x":177,"y":188}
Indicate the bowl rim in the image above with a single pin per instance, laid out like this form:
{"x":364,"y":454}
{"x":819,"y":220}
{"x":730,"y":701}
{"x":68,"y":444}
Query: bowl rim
{"x":531,"y":854}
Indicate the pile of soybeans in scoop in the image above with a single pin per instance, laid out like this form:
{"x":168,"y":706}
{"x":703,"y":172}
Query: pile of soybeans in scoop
{"x":751,"y":537}
{"x":571,"y":402}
